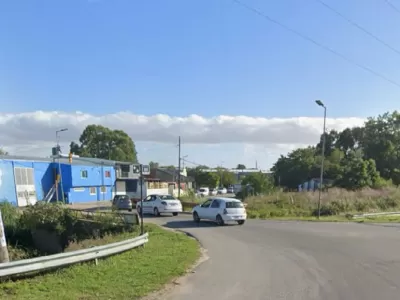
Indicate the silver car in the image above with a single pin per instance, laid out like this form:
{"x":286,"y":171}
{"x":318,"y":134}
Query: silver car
{"x":122,"y":202}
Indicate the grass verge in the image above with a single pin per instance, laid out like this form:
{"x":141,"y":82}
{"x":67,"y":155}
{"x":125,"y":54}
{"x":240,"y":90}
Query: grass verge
{"x":129,"y":275}
{"x":335,"y":205}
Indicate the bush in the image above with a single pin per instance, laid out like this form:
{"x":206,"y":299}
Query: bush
{"x":53,"y":218}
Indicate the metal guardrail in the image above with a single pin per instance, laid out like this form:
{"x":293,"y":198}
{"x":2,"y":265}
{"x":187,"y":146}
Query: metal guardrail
{"x":394,"y":213}
{"x":64,"y":259}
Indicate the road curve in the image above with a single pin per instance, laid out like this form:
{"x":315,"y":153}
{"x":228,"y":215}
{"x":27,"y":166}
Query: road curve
{"x":273,"y":260}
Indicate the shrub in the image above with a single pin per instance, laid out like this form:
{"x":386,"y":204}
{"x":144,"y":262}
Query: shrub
{"x":52,"y":218}
{"x":386,"y":203}
{"x":252,"y":214}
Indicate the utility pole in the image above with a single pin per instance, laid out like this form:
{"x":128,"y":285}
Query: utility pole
{"x":221,"y":170}
{"x":3,"y":243}
{"x":179,"y":167}
{"x":59,"y":176}
{"x":141,"y":200}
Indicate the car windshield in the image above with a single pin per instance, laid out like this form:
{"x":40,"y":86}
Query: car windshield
{"x":124,"y":197}
{"x":167,"y":197}
{"x":202,"y":190}
{"x":234,"y":204}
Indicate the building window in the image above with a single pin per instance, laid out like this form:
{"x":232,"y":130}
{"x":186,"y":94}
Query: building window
{"x":92,"y":190}
{"x":79,"y":189}
{"x":107,"y":174}
{"x":24,"y":176}
{"x":84,"y":174}
{"x":103,"y":189}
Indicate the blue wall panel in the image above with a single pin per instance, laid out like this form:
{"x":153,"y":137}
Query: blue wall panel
{"x":104,"y":196}
{"x":78,"y":188}
{"x":7,"y":182}
{"x":44,"y":178}
{"x":96,"y":175}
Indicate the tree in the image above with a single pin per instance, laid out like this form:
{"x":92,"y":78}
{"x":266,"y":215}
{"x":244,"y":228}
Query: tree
{"x":357,"y":173}
{"x":207,"y":179}
{"x":241,"y":167}
{"x":295,"y":168}
{"x":365,"y":156}
{"x":101,"y":142}
{"x":194,"y":172}
{"x":3,"y":152}
{"x":259,"y":182}
{"x":170,"y":167}
{"x":227,"y":178}
{"x":153,"y":165}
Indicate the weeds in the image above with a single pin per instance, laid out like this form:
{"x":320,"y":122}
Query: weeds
{"x":334,"y":202}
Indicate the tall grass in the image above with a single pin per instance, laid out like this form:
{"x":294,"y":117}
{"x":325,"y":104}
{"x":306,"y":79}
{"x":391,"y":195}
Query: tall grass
{"x":333,"y":202}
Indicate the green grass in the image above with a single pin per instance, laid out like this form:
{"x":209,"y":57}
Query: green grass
{"x":130,"y":275}
{"x":335,"y":205}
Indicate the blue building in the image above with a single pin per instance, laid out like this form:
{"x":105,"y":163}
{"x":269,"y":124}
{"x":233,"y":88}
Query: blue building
{"x":26,"y":180}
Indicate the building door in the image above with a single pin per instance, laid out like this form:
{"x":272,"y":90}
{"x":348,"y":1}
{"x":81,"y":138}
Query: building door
{"x":120,"y":187}
{"x":25,"y":186}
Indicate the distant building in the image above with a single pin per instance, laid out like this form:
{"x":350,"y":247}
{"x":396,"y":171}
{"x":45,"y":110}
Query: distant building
{"x":171,"y":176}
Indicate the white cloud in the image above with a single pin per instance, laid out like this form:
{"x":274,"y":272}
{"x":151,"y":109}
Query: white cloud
{"x":21,"y":133}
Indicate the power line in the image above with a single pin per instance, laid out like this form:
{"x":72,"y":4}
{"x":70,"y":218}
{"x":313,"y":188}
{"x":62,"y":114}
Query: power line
{"x":392,"y":6}
{"x":358,"y":26}
{"x":191,"y":162}
{"x":311,"y":40}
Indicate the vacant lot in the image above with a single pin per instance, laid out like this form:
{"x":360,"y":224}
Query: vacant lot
{"x":335,"y":204}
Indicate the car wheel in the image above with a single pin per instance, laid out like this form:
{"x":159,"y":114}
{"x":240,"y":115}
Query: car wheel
{"x":175,"y":214}
{"x":129,"y":209}
{"x":241,"y":222}
{"x":196,"y":217}
{"x":156,"y":212}
{"x":220,"y":221}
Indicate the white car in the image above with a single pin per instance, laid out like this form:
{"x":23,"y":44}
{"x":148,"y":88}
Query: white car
{"x":222,"y":191}
{"x":213,"y":192}
{"x":158,"y":204}
{"x":220,"y":210}
{"x":203,"y":192}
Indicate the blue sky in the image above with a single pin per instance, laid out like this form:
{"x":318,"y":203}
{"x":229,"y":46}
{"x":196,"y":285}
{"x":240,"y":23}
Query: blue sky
{"x":209,"y":57}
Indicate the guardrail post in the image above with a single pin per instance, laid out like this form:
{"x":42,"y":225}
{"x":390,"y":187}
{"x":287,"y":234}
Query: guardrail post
{"x":3,"y":243}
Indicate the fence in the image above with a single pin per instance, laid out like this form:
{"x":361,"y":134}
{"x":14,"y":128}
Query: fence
{"x":64,"y":259}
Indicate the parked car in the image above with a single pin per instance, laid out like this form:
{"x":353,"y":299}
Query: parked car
{"x":220,"y":210}
{"x":122,"y":202}
{"x":213,"y":192}
{"x":203,"y":192}
{"x":158,"y":204}
{"x":230,"y":190}
{"x":222,"y":191}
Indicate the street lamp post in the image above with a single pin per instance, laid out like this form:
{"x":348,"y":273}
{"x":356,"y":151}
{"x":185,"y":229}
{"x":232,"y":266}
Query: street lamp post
{"x":59,"y":164}
{"x":321,"y":179}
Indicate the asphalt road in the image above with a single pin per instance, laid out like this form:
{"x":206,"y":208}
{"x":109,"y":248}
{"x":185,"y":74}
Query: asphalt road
{"x":273,"y":260}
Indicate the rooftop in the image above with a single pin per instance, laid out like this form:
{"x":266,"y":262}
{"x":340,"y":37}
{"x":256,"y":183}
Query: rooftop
{"x":86,"y":161}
